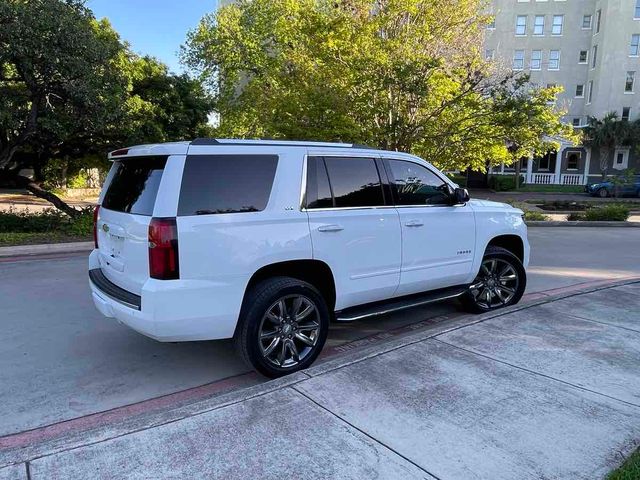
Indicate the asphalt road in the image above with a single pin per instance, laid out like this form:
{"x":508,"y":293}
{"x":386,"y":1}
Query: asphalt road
{"x":61,"y":360}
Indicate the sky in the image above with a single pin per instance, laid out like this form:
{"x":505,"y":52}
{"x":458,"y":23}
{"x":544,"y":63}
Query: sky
{"x":154,"y":27}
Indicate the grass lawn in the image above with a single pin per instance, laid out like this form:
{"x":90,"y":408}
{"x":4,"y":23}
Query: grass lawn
{"x":34,"y":238}
{"x":551,"y":188}
{"x":630,"y":469}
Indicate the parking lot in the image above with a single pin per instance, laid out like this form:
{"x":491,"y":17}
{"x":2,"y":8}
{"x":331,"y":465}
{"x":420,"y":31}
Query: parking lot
{"x":61,"y":360}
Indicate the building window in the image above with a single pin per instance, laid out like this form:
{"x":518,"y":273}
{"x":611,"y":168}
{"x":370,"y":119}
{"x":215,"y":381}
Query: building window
{"x":518,"y":59}
{"x":636,"y":13}
{"x":590,"y":92}
{"x":584,"y":56}
{"x":626,"y":113}
{"x":573,"y":160}
{"x":544,"y":162}
{"x":635,"y":44}
{"x":556,"y":27}
{"x":580,"y":91}
{"x":586,"y":22}
{"x":594,"y":56}
{"x":538,"y":25}
{"x":628,"y":83}
{"x":536,"y":59}
{"x":598,"y":18}
{"x":521,"y":25}
{"x":554,"y":60}
{"x":489,"y":54}
{"x":621,"y":159}
{"x":576,"y":122}
{"x":492,"y":24}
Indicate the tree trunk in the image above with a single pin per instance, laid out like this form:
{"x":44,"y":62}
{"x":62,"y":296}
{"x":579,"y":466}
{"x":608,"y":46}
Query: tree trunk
{"x":38,"y":191}
{"x":604,"y":162}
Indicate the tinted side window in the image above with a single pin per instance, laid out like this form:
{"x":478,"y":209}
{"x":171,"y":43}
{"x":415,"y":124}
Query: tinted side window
{"x":318,"y":189}
{"x":355,"y":182}
{"x":134,"y":186}
{"x":226,"y":183}
{"x":414,"y":184}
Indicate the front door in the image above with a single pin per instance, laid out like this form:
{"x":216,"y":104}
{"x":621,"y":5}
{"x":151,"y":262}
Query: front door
{"x":438,"y":239}
{"x":352,"y":228}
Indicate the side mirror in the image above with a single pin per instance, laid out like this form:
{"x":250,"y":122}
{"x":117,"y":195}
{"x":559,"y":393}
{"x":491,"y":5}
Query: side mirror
{"x":460,"y":195}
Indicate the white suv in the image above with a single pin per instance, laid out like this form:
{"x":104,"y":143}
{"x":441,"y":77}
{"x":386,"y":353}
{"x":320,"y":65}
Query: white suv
{"x":269,"y":241}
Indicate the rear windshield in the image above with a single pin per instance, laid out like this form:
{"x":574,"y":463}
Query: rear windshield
{"x":214,"y":184}
{"x":134,"y":186}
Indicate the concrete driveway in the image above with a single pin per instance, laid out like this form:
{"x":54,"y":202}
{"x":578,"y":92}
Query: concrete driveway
{"x":549,"y":391}
{"x":61,"y":360}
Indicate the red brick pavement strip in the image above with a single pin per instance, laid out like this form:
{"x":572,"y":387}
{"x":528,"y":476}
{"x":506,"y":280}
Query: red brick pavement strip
{"x":173,"y":400}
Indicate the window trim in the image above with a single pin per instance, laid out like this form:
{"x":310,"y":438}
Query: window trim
{"x":574,"y":152}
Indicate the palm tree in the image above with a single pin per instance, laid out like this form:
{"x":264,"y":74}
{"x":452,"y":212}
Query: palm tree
{"x":607,"y":134}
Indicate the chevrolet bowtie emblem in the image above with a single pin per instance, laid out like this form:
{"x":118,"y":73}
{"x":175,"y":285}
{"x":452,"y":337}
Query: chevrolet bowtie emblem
{"x":105,"y":227}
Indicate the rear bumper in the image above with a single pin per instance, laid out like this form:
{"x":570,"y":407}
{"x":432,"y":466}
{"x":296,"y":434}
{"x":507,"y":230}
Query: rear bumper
{"x":170,"y":310}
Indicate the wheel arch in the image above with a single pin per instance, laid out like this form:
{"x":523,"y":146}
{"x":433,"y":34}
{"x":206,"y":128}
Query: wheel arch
{"x":315,"y":272}
{"x":512,"y":243}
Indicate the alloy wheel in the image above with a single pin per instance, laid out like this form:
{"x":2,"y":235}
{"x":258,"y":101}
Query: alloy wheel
{"x":496,"y":283}
{"x":289,"y":331}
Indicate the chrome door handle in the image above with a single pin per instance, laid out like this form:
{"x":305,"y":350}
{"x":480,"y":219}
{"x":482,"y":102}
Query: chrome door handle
{"x":330,"y":228}
{"x":414,"y":223}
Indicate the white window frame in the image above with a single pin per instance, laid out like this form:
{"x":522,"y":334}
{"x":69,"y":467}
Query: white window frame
{"x":553,"y":60}
{"x":576,"y":93}
{"x":539,"y":60}
{"x":636,"y":10}
{"x":536,"y":25}
{"x":598,"y":20}
{"x":594,"y":57}
{"x":513,"y":64}
{"x":576,"y":152}
{"x":590,"y":21}
{"x":589,"y":92}
{"x":625,"y":158}
{"x":519,"y":25}
{"x":634,"y":44}
{"x":554,"y":25}
{"x":632,"y":74}
{"x":576,"y":121}
{"x":628,"y":116}
{"x":586,"y":57}
{"x":489,"y":54}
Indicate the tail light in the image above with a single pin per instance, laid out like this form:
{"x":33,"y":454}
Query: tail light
{"x":163,"y":249}
{"x":95,"y":225}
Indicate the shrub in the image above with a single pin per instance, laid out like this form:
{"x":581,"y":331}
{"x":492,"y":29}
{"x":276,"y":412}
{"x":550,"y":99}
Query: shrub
{"x":503,"y":183}
{"x":459,"y":179}
{"x":535,"y":216}
{"x":618,"y":213}
{"x":47,"y":221}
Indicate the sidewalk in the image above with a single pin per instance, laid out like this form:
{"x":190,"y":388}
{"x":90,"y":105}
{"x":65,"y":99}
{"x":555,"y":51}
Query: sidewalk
{"x":549,"y":390}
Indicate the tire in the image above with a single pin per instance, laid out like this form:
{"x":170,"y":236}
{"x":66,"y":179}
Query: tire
{"x":498,"y":266}
{"x":277,"y":343}
{"x":602,"y":193}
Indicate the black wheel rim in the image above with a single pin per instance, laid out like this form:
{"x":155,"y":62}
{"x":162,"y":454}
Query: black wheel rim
{"x":496,"y":284}
{"x":289,"y":331}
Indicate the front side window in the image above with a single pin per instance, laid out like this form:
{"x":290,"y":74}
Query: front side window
{"x":354,"y":181}
{"x":628,"y":84}
{"x":536,"y":59}
{"x":556,"y":27}
{"x":554,"y":59}
{"x":521,"y":25}
{"x":413,"y":184}
{"x":134,"y":185}
{"x":518,"y":59}
{"x":635,"y":44}
{"x":217,"y":184}
{"x":538,"y":25}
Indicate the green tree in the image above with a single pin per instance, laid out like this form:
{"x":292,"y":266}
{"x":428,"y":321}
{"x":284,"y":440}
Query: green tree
{"x":608,"y":133}
{"x":70,"y":91}
{"x":396,"y":74}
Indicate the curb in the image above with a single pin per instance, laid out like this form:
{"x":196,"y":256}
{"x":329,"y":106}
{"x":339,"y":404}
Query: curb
{"x":567,"y":223}
{"x":12,"y":453}
{"x":45,"y":249}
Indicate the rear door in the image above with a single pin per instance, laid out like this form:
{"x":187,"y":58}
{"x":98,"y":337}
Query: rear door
{"x":123,"y":219}
{"x":438,"y":239}
{"x":353,"y":229}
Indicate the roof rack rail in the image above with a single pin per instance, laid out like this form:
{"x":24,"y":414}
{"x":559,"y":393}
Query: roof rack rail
{"x":275,"y":142}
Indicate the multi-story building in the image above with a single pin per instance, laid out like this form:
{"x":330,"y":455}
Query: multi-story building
{"x":589,"y":47}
